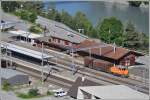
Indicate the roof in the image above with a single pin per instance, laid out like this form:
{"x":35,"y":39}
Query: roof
{"x":26,"y":51}
{"x":61,"y":31}
{"x":25,"y":34}
{"x":115,"y":92}
{"x":74,"y":89}
{"x":6,"y":24}
{"x":107,"y":51}
{"x":8,"y":73}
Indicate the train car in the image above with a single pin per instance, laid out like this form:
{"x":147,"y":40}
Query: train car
{"x":105,"y":66}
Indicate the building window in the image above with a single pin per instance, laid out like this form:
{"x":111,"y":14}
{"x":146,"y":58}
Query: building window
{"x":58,"y":41}
{"x":53,"y":39}
{"x":49,"y":40}
{"x":66,"y":43}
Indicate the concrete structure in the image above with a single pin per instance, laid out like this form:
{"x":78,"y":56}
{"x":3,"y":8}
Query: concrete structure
{"x":6,"y":25}
{"x":80,"y":81}
{"x":25,"y":36}
{"x":111,"y":92}
{"x":14,"y":77}
{"x":25,"y":51}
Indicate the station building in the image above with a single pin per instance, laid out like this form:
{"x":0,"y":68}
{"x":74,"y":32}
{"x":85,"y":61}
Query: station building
{"x":107,"y":52}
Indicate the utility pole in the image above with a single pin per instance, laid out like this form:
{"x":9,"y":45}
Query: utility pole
{"x":73,"y":67}
{"x":42,"y":64}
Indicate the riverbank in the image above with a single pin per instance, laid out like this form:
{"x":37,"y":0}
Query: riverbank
{"x":125,"y":2}
{"x":117,"y":1}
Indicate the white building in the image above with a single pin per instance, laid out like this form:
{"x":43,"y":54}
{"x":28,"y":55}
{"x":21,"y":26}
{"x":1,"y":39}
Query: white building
{"x":25,"y":36}
{"x":115,"y":92}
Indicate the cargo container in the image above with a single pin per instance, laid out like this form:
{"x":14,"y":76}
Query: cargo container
{"x":105,"y":66}
{"x":101,"y":65}
{"x":88,"y":62}
{"x":97,"y":64}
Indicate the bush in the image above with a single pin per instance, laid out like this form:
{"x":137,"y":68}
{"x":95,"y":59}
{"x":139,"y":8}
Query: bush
{"x":36,"y":29}
{"x":6,"y":86}
{"x":22,"y":95}
{"x":33,"y":92}
{"x":49,"y":93}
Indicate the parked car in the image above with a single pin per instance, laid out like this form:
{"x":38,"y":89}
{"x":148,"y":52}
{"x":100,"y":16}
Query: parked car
{"x":59,"y":93}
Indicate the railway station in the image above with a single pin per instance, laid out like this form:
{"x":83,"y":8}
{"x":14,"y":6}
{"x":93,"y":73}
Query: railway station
{"x":69,"y":63}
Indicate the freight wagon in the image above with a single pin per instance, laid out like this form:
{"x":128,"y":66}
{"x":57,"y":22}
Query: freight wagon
{"x":105,"y":66}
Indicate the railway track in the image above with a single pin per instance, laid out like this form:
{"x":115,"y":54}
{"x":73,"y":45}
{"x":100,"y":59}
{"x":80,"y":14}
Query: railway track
{"x":52,"y":79}
{"x":114,"y":80}
{"x":101,"y":77}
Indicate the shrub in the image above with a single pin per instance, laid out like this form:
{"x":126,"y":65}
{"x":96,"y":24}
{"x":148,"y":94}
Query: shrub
{"x":35,"y":29}
{"x":33,"y":92}
{"x":6,"y":86}
{"x":22,"y":95}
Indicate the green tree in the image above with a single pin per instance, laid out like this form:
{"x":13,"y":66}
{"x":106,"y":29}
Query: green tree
{"x":10,"y":6}
{"x":110,"y":30}
{"x":67,"y":19}
{"x":135,"y":40}
{"x":81,"y":22}
{"x":135,"y":3}
{"x":52,"y":14}
{"x":32,"y":17}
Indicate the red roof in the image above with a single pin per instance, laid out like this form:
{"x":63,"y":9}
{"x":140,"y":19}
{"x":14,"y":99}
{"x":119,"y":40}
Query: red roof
{"x":107,"y":51}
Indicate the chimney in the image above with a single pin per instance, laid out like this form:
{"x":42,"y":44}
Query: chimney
{"x":114,"y":46}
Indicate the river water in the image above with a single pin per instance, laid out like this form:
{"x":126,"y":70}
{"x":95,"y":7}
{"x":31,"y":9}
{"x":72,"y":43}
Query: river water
{"x":98,"y":10}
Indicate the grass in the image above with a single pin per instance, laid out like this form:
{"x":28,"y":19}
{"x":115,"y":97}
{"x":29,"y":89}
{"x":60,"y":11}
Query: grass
{"x":33,"y":93}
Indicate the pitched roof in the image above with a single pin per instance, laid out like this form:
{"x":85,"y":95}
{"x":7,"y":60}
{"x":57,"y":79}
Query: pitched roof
{"x":74,"y":89}
{"x":8,"y":73}
{"x":107,"y":51}
{"x":61,"y":31}
{"x":120,"y":92}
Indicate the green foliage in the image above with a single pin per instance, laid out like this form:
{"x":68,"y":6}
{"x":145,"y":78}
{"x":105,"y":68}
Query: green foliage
{"x":10,"y":6}
{"x":135,"y":40}
{"x":146,"y":2}
{"x":81,"y":22}
{"x":110,"y":30}
{"x":6,"y":86}
{"x":33,"y":92}
{"x":24,"y":96}
{"x":36,"y":29}
{"x":26,"y":15}
{"x":32,"y":17}
{"x":135,"y":3}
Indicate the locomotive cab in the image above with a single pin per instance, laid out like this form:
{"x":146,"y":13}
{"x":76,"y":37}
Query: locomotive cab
{"x":120,"y":70}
